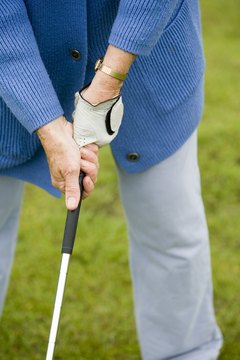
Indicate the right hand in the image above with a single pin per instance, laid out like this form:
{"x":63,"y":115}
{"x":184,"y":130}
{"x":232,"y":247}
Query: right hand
{"x":64,"y":159}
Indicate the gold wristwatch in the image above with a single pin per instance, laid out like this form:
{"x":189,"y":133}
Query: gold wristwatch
{"x":107,"y":70}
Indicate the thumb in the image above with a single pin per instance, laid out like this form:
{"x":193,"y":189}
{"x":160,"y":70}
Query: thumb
{"x":72,"y":190}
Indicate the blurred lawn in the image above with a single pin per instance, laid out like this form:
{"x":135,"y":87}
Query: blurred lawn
{"x":97,"y":318}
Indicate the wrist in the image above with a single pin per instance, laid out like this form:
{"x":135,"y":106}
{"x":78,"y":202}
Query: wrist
{"x":51,"y":127}
{"x":102,"y":88}
{"x":106,"y":82}
{"x":102,"y":67}
{"x":118,"y":59}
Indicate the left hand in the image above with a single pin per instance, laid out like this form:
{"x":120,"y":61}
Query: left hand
{"x":98,"y":111}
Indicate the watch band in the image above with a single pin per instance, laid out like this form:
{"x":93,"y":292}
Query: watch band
{"x":107,"y":70}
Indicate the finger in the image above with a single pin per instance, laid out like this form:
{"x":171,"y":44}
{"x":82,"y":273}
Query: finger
{"x":88,"y":186}
{"x":85,"y":195}
{"x":90,"y":169}
{"x":92,"y":147}
{"x":89,"y":155}
{"x":72,"y":190}
{"x":58,"y":183}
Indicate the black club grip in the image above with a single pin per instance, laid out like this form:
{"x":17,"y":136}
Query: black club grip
{"x":71,"y":223}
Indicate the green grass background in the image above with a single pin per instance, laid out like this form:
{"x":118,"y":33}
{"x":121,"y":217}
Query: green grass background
{"x":97,"y":318}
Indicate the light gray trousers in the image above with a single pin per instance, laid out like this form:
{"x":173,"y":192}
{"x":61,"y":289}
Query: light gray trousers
{"x":169,"y":259}
{"x":169,"y":256}
{"x":10,"y":205}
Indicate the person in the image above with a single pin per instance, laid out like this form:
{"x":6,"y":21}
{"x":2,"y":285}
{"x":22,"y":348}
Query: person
{"x":47,"y":54}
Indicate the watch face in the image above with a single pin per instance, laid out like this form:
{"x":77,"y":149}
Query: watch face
{"x":98,"y":63}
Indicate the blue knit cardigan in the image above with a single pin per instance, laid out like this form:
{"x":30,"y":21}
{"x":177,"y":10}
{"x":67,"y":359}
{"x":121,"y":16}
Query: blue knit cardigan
{"x":163,"y":94}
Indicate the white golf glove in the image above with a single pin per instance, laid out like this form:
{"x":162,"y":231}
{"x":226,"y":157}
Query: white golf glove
{"x":97,"y":124}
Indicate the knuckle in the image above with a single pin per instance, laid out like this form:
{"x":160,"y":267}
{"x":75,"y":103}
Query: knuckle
{"x":89,"y":184}
{"x":71,"y":169}
{"x":95,"y":159}
{"x":58,"y":185}
{"x":91,"y":169}
{"x":71,"y":188}
{"x":90,"y":156}
{"x":93,"y":147}
{"x":92,"y":172}
{"x":54,"y":182}
{"x":85,"y":196}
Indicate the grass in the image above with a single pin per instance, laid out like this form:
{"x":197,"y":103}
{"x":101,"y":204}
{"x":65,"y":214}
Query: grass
{"x":97,"y":318}
{"x":220,"y":163}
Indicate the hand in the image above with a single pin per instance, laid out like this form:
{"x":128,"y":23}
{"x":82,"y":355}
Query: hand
{"x":64,"y":160}
{"x":98,"y":124}
{"x":98,"y":118}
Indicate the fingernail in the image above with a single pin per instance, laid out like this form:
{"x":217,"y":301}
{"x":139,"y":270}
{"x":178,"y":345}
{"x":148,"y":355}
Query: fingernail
{"x":71,"y":202}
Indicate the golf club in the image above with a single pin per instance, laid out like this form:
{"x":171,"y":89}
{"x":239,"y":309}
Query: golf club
{"x":67,"y":248}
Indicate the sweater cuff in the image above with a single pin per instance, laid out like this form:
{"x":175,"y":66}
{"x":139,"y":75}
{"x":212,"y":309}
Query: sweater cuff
{"x":25,"y":85}
{"x":29,"y":93}
{"x":126,"y":44}
{"x":139,"y":24}
{"x":43,"y":108}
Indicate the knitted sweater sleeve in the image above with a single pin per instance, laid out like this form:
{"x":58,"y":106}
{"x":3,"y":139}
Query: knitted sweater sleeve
{"x":140,"y":23}
{"x":24,"y":82}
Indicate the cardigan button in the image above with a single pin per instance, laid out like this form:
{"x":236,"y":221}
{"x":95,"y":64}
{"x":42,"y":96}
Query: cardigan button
{"x":75,"y":54}
{"x":133,"y":156}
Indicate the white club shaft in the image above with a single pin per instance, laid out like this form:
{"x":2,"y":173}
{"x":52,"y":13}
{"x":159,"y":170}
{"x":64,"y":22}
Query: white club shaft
{"x":57,"y":306}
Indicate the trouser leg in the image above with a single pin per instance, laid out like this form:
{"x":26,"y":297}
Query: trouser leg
{"x":170,"y":260}
{"x":10,"y":204}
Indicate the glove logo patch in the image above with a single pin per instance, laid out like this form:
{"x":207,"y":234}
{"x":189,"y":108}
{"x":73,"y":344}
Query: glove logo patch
{"x":114,"y":117}
{"x":97,"y":124}
{"x":108,"y":123}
